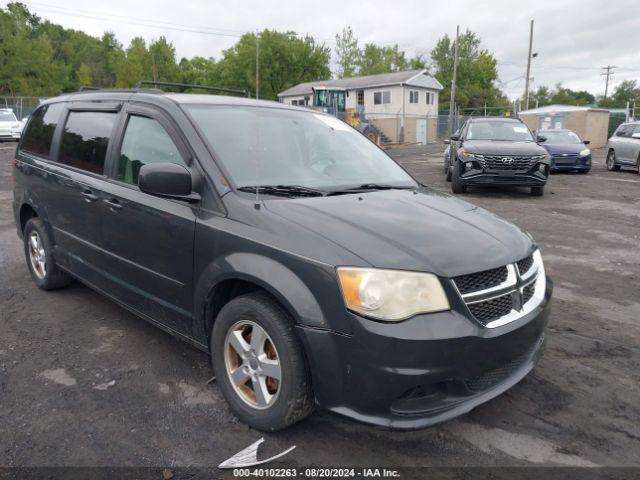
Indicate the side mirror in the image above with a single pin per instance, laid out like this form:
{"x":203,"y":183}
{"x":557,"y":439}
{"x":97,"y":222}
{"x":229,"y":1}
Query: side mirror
{"x":541,"y":139}
{"x":635,"y":135}
{"x":586,"y":142}
{"x":455,"y":138}
{"x":446,"y":141}
{"x":167,"y":180}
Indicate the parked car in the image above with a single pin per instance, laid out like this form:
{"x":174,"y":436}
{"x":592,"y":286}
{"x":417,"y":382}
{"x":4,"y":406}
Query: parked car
{"x":312,"y":267}
{"x":496,"y":151}
{"x":568,"y":151}
{"x":623,"y":148}
{"x":10,"y":128}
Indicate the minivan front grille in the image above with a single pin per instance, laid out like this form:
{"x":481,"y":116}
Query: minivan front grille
{"x":525,"y":264}
{"x":507,"y":162}
{"x":493,"y":308}
{"x":500,"y":295}
{"x":481,"y":280}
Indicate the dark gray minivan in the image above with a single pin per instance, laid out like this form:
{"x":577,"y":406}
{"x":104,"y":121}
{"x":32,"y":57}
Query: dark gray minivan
{"x":312,"y":267}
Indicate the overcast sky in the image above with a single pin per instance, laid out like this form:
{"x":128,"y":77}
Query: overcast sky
{"x":573,"y":38}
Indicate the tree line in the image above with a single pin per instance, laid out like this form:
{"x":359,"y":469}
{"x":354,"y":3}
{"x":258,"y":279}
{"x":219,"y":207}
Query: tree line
{"x":40,"y":58}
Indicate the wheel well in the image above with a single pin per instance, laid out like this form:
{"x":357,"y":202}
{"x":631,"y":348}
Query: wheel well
{"x":226,"y":291}
{"x":26,"y":212}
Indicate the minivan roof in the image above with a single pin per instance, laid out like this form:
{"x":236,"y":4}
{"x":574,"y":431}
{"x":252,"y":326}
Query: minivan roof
{"x":150,"y":94}
{"x":496,"y":119}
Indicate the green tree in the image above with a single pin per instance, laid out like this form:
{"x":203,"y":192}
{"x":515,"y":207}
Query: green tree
{"x":348,"y":53}
{"x":540,"y":97}
{"x":566,"y":96}
{"x":376,"y":59}
{"x":163,"y":60}
{"x":476,"y":76}
{"x":625,"y":91}
{"x":84,"y":75}
{"x":135,"y":65}
{"x":200,"y":71}
{"x":285,"y":60}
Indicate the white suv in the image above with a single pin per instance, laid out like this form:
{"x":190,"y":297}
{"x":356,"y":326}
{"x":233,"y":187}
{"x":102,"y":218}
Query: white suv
{"x":623,"y":149}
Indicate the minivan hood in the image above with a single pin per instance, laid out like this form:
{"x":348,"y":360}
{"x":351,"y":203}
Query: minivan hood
{"x":489,"y":147}
{"x":423,"y":230}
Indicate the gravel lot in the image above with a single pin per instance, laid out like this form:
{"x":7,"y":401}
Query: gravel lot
{"x":60,"y":350}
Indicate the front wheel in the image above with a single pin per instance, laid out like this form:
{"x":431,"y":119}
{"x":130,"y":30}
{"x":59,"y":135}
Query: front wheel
{"x":259,"y":363}
{"x":611,"y":161}
{"x":456,"y":183}
{"x":537,"y":191}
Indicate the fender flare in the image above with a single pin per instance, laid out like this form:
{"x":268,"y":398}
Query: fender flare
{"x":270,"y":275}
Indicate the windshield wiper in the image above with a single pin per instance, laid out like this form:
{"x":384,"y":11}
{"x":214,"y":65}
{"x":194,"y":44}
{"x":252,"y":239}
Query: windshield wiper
{"x":370,"y":186}
{"x":284,"y":190}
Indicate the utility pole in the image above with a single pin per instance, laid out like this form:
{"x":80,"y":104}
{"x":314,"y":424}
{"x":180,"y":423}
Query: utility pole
{"x":453,"y":80}
{"x":526,"y":82}
{"x":257,"y":65}
{"x":607,"y":74}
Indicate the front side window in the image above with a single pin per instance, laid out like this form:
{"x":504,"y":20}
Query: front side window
{"x":145,"y":141}
{"x":39,"y":135}
{"x":624,"y":131}
{"x":85,"y":139}
{"x":499,"y":131}
{"x":268,"y":147}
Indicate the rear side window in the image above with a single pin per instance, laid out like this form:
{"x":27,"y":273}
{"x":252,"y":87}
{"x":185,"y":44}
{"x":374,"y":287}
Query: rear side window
{"x":85,"y":139}
{"x":145,"y":141}
{"x":37,"y":139}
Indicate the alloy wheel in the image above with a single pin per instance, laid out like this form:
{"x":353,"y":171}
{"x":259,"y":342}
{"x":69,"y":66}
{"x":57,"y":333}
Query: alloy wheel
{"x":252,"y":364}
{"x":37,"y":255}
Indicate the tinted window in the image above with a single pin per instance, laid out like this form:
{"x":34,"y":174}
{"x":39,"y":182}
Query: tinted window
{"x":37,"y":139}
{"x":85,"y":139}
{"x":145,"y":141}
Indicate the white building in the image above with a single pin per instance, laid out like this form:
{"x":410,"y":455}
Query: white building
{"x":403,"y":105}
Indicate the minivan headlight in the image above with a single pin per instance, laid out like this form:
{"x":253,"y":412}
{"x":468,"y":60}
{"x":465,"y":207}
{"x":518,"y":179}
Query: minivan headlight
{"x":391,"y":295}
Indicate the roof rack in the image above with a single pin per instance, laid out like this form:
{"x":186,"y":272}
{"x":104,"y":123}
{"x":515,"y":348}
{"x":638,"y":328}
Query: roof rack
{"x":244,"y":93}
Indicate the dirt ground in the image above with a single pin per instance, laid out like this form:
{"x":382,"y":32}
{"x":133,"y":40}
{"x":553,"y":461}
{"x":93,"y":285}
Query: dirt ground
{"x":60,"y":353}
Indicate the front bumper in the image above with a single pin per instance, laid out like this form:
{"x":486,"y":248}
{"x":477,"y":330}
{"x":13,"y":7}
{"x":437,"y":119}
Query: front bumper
{"x":563,"y":164}
{"x":422,"y":371}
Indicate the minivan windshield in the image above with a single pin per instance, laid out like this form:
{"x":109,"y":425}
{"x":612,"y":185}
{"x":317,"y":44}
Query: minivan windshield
{"x":560,"y":136}
{"x":499,"y":131}
{"x":279,"y":147}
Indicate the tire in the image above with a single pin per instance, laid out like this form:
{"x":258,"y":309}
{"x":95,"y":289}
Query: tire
{"x":537,"y":191}
{"x":291,"y":398}
{"x":584,"y":171}
{"x":456,"y":183}
{"x":612,"y":166}
{"x":38,"y":248}
{"x":448,"y":174}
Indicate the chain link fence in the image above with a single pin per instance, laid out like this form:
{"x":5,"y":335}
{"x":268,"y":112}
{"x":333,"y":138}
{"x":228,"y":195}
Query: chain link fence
{"x":22,"y":106}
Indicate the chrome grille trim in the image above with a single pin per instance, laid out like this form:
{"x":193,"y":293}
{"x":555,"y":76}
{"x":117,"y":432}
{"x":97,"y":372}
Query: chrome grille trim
{"x":513,"y":286}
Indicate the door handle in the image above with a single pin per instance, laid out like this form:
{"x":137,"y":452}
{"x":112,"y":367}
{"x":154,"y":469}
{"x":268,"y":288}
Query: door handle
{"x":88,"y":195}
{"x":114,"y":204}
